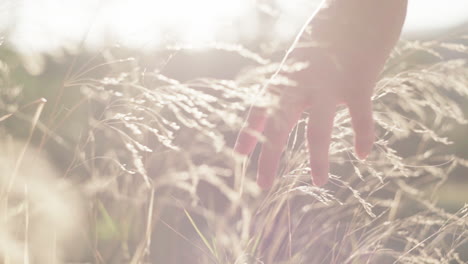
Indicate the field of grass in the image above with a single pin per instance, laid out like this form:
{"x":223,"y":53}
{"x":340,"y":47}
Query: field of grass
{"x":118,"y":157}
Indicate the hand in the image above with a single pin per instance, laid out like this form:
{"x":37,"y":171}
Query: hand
{"x":352,"y":40}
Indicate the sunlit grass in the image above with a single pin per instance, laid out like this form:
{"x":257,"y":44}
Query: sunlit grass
{"x":149,"y":175}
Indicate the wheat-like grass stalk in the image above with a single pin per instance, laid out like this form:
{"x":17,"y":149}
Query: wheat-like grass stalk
{"x":163,"y":186}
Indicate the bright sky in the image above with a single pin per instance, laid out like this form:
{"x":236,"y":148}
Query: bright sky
{"x":50,"y":25}
{"x":435,"y":14}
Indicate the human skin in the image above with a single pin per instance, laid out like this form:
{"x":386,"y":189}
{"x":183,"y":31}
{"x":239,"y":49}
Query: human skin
{"x":352,"y":41}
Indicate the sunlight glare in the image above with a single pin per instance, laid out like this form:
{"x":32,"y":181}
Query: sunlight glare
{"x":435,"y":15}
{"x":55,"y":26}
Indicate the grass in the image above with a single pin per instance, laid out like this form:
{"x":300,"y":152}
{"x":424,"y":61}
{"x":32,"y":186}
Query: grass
{"x":147,"y":173}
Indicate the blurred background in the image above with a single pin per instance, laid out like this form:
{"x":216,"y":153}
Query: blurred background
{"x":41,"y":41}
{"x":149,"y":25}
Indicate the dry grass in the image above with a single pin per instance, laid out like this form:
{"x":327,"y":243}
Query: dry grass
{"x":158,"y":181}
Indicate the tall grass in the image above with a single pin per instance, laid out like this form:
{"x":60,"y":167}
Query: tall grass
{"x":159,"y":183}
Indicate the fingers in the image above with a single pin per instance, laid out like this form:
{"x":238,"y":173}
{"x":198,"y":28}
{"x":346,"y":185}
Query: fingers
{"x":319,"y":131}
{"x":360,"y":109}
{"x":277,"y":130}
{"x":248,"y":137}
